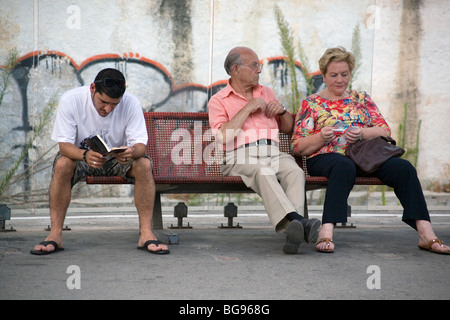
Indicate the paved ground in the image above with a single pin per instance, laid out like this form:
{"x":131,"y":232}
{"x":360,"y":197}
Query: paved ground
{"x":376,"y":260}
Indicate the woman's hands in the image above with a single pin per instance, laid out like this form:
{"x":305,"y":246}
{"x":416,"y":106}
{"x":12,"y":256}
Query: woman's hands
{"x":327,"y":134}
{"x":352,"y":134}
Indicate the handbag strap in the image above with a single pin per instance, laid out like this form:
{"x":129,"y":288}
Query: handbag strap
{"x":389,"y":139}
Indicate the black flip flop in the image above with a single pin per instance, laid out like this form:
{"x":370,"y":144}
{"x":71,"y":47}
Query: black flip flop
{"x":155,"y":242}
{"x":46,"y":243}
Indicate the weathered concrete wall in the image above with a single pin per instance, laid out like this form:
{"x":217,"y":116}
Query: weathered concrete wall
{"x":410,"y":65}
{"x":172,"y":53}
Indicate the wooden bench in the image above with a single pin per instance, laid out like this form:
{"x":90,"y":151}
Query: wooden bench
{"x":181,"y":146}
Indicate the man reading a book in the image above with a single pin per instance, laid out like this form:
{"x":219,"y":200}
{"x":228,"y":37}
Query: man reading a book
{"x":105,"y":111}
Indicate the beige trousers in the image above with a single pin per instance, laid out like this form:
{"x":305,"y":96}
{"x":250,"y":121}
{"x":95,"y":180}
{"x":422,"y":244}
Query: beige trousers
{"x":273,"y":175}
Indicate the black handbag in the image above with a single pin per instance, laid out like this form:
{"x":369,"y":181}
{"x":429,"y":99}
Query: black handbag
{"x":369,"y":155}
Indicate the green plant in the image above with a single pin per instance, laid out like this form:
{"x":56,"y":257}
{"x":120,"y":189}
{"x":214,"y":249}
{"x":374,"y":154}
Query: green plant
{"x":411,"y":153}
{"x":305,"y":68}
{"x":44,"y":119}
{"x":402,"y":128}
{"x":289,"y":51}
{"x":287,"y":42}
{"x":11,"y":62}
{"x":356,"y":50}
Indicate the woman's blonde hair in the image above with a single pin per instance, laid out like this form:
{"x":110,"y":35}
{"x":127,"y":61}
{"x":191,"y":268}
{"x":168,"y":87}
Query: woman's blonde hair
{"x":336,"y":54}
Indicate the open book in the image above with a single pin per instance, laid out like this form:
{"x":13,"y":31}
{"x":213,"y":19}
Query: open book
{"x":97,"y":144}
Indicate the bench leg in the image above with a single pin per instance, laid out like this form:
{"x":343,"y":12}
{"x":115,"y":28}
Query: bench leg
{"x":157,"y":212}
{"x":230,"y":211}
{"x":349,"y":214}
{"x":5,"y":214}
{"x":305,"y":211}
{"x":180,"y":211}
{"x":2,"y":227}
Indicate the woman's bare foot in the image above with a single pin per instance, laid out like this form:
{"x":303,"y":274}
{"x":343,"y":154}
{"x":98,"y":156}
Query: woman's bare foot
{"x":324,"y":242}
{"x":428,"y":239}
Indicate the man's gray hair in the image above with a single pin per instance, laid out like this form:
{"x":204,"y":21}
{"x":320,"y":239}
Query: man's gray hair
{"x":232,"y":59}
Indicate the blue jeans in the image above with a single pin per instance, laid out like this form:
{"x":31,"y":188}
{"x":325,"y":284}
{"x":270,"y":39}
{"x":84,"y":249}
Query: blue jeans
{"x":341,"y":172}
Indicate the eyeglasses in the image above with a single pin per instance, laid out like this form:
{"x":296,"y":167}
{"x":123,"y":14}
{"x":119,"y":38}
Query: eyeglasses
{"x":111,"y":82}
{"x":253,"y":66}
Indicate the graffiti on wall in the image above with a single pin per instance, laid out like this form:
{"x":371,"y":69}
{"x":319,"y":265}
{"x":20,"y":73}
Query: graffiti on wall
{"x":135,"y":66}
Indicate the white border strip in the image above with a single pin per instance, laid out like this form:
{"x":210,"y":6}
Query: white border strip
{"x":208,"y":215}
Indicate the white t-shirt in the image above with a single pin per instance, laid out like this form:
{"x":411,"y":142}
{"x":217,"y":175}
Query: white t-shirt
{"x":77,"y":119}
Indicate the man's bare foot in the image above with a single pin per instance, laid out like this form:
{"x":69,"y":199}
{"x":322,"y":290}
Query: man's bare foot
{"x":48,"y":246}
{"x":151,"y":244}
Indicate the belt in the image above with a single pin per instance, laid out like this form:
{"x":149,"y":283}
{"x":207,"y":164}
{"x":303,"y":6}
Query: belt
{"x":260,"y":142}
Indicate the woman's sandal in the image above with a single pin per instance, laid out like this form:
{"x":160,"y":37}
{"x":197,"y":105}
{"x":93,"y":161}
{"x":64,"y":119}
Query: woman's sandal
{"x":428,"y":246}
{"x":327,"y":241}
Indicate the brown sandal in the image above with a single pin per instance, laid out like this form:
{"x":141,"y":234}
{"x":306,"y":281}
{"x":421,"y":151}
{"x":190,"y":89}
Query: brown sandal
{"x":327,"y":241}
{"x":428,"y":246}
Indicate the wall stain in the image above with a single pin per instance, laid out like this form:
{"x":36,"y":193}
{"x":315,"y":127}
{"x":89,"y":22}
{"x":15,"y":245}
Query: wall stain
{"x":408,"y":68}
{"x":179,"y":12}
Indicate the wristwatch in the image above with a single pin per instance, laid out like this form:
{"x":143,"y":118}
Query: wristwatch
{"x":84,"y":155}
{"x":284,"y":111}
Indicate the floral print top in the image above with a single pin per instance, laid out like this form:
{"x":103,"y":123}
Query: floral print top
{"x":316,"y":112}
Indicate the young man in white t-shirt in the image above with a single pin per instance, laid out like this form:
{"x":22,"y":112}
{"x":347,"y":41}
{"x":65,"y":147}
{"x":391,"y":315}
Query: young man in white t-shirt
{"x":103,"y":109}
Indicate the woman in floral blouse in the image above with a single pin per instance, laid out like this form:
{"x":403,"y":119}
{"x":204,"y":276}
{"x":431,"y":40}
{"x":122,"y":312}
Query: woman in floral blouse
{"x":331,"y":119}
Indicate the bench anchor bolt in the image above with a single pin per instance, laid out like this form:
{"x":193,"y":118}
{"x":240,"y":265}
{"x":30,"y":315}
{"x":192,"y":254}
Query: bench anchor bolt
{"x":180,"y":211}
{"x":230,"y":212}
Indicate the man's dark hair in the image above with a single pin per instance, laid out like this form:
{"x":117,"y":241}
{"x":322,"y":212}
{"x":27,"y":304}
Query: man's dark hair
{"x":111,"y":82}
